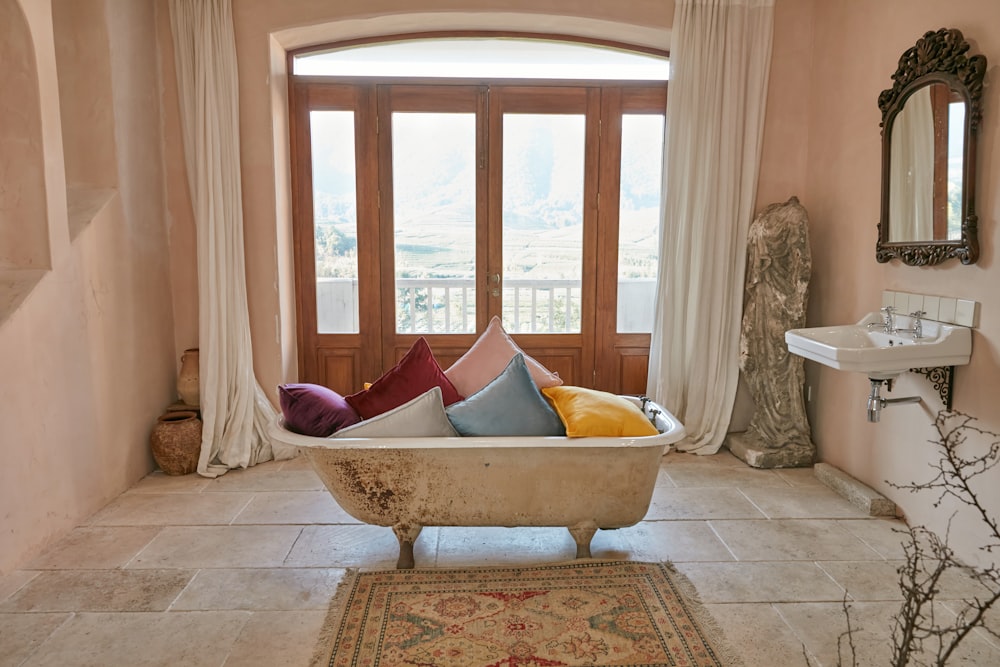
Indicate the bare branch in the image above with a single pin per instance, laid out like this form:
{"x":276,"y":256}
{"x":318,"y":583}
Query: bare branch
{"x":918,"y":633}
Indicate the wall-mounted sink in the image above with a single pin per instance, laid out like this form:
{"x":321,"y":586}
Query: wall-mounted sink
{"x":872,"y":350}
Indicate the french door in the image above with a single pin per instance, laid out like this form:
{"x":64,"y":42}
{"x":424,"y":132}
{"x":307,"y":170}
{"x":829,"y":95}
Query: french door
{"x":426,"y":210}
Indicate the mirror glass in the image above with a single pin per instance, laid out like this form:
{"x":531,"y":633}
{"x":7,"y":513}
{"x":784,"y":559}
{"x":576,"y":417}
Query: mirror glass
{"x":927,"y":166}
{"x":930,"y":121}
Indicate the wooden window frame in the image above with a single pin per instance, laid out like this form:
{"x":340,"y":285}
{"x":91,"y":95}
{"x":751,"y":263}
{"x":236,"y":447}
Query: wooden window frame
{"x":601,"y":358}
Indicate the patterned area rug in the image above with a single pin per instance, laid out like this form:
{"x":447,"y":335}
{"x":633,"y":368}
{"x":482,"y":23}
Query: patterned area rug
{"x":583,"y":613}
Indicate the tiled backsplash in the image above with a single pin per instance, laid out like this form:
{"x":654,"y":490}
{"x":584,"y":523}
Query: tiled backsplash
{"x":937,"y":308}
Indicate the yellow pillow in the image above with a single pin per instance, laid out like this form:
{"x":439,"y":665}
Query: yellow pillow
{"x":588,"y":412}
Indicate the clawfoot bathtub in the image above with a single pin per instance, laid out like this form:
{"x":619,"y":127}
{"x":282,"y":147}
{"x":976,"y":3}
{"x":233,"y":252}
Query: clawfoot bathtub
{"x":408,"y":483}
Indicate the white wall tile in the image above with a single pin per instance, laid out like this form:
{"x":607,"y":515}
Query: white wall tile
{"x":931,"y":305}
{"x":946,"y":309}
{"x":902,"y":302}
{"x":939,"y":308}
{"x":965,"y":313}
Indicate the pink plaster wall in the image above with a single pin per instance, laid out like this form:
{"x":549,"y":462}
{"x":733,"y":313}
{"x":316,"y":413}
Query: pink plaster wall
{"x":93,"y":349}
{"x":857,"y":44}
{"x":88,"y":358}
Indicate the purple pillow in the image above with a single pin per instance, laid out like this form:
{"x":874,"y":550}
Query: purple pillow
{"x":311,"y":409}
{"x":416,"y":373}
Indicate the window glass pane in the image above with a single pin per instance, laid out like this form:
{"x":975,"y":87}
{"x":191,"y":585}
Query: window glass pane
{"x":639,"y":220}
{"x":335,"y":221}
{"x":956,"y":153}
{"x":484,"y":58}
{"x":542,"y":222}
{"x":434,"y":213}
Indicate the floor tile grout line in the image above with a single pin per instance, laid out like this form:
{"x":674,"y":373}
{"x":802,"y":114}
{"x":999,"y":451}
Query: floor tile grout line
{"x":197,"y":573}
{"x":864,"y":541}
{"x":802,"y":642}
{"x":724,"y":543}
{"x":69,"y":617}
{"x":291,"y":547}
{"x":755,"y":505}
{"x":125,"y":565}
{"x":23,"y":584}
{"x":242,"y":509}
{"x":842,"y":587}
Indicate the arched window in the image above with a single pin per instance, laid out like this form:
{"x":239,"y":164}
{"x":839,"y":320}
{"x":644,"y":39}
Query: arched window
{"x":443,"y":180}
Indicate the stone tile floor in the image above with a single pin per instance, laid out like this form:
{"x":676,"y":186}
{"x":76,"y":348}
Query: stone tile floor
{"x":239,"y":570}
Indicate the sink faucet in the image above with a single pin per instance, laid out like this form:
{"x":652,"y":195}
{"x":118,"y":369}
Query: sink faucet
{"x":918,"y":325}
{"x":888,"y":323}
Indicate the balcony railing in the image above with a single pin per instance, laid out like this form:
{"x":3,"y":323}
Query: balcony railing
{"x":445,"y":305}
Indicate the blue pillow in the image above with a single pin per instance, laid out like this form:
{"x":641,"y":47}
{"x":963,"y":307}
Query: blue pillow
{"x":509,"y":405}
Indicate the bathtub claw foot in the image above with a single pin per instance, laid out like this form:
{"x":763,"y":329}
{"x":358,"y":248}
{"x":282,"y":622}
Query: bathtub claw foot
{"x":582,"y":535}
{"x":407,"y":535}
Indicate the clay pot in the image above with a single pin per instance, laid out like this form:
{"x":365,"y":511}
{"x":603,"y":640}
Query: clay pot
{"x":176,"y":442}
{"x":187,"y":379}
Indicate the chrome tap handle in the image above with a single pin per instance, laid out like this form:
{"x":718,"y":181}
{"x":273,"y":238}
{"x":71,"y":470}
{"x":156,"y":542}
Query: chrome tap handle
{"x":888,"y":313}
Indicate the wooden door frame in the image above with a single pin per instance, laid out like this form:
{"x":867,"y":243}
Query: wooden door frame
{"x":437,"y":98}
{"x":319,"y":352}
{"x":598,"y":351}
{"x":535,"y":99}
{"x":620,"y":356}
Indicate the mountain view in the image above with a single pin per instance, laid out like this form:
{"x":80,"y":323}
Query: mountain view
{"x":434,"y":165}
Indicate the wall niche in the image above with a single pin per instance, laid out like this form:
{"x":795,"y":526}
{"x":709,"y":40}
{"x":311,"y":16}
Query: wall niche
{"x":83,"y":62}
{"x":24,"y":227}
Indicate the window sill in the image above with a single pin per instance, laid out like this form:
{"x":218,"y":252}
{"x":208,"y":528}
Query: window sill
{"x":84,"y":203}
{"x":15,"y":285}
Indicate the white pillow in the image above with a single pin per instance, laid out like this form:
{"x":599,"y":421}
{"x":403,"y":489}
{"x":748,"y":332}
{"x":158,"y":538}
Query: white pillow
{"x":422,"y":417}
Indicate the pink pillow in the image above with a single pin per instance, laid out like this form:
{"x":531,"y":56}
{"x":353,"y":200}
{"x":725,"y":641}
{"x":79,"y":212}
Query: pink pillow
{"x":416,"y":373}
{"x":312,"y":409}
{"x":487,"y":358}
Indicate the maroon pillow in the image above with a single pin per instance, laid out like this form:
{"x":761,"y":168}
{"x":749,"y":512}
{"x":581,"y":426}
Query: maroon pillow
{"x":416,"y":373}
{"x":311,"y":409}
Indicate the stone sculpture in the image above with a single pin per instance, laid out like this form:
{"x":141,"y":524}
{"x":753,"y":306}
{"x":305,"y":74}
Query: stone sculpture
{"x":777,"y":284}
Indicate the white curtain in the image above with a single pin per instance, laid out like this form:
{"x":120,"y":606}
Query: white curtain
{"x":911,"y":170}
{"x":234,"y":409}
{"x":720,"y":57}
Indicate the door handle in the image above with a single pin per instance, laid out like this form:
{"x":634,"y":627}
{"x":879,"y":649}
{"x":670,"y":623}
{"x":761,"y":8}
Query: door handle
{"x":494,"y":280}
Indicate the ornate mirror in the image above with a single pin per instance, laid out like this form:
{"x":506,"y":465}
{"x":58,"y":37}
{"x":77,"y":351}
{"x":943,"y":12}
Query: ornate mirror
{"x":930,"y":119}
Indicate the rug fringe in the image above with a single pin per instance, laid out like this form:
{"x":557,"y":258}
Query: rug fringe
{"x":703,"y":617}
{"x":323,"y":653}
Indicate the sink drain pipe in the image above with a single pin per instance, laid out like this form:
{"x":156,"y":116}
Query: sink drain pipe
{"x":876,"y":402}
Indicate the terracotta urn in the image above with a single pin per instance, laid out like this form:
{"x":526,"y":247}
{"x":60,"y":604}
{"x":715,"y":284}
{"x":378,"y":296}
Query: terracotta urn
{"x":176,"y":442}
{"x":187,"y":379}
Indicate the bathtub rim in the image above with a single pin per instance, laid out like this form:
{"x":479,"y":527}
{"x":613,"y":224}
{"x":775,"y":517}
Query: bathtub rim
{"x":671,"y":431}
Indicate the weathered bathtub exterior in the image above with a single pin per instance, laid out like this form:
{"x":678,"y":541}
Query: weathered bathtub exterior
{"x":408,"y":483}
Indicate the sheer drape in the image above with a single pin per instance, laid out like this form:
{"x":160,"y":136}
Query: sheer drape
{"x":720,"y":57}
{"x":911,"y":170}
{"x":234,"y":409}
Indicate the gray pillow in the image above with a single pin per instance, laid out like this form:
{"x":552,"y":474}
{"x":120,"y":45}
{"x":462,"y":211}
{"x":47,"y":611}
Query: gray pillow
{"x":509,"y":405}
{"x":421,"y":417}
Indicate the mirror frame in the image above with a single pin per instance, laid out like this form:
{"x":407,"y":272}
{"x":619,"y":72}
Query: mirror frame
{"x":937,"y":57}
